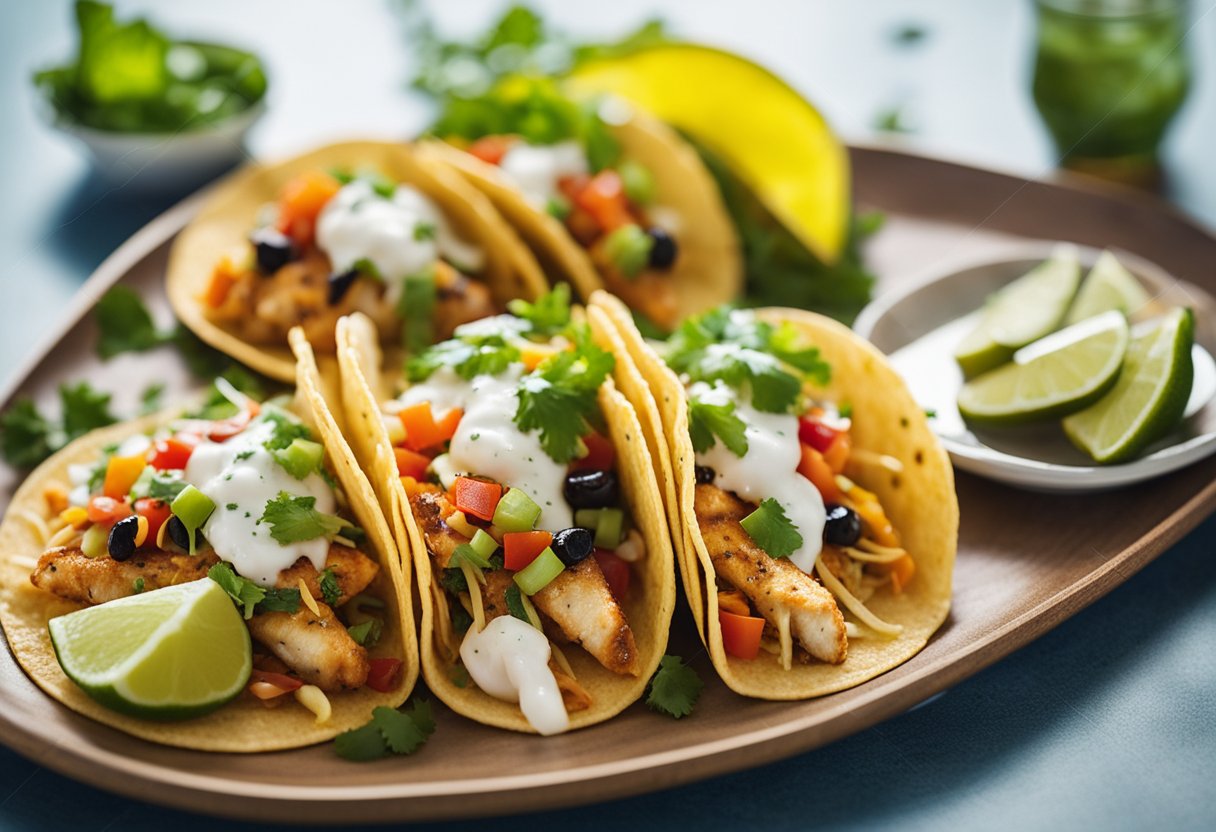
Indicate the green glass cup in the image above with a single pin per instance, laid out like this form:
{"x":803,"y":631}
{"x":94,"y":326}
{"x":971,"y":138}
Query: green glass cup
{"x":1109,"y":77}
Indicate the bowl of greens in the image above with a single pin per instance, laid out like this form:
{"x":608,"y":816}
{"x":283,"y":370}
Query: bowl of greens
{"x":154,"y":111}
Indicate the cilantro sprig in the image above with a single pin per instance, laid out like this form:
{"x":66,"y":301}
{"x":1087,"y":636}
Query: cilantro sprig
{"x":125,"y":325}
{"x":388,"y":732}
{"x":331,"y":590}
{"x":251,"y":597}
{"x":674,"y":688}
{"x":707,"y":420}
{"x":468,"y":356}
{"x":558,"y":399}
{"x":549,"y":314}
{"x":772,"y":530}
{"x":294,"y":519}
{"x":27,"y":437}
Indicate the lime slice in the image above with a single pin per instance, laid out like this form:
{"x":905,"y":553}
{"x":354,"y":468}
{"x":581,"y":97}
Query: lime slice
{"x":1150,"y":397}
{"x":1024,"y":311}
{"x":769,"y":135}
{"x":1107,"y":286}
{"x":171,"y":653}
{"x":1058,"y":375}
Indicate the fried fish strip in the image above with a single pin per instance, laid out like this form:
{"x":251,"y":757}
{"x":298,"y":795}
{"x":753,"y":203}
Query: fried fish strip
{"x":67,"y":572}
{"x":775,"y":586}
{"x":579,"y":602}
{"x":317,"y":648}
{"x":352,"y":569}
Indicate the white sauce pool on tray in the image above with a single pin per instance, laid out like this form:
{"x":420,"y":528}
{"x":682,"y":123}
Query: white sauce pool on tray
{"x":248,"y":484}
{"x":509,"y":660}
{"x":536,"y":169}
{"x":768,"y":469}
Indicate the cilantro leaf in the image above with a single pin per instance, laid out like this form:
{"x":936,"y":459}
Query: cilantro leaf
{"x":388,"y":732}
{"x":549,"y":315}
{"x":286,"y":429}
{"x":84,"y":409}
{"x":705,"y":421}
{"x":454,"y":581}
{"x":243,"y":591}
{"x":468,"y":356}
{"x":331,"y":590}
{"x":280,"y":600}
{"x":515,"y":604}
{"x":772,"y":530}
{"x":124,"y":324}
{"x":366,"y":633}
{"x":416,"y":308}
{"x":361,"y":744}
{"x":159,"y":485}
{"x":25,"y":435}
{"x":674,"y":688}
{"x":150,"y":398}
{"x":559,"y":398}
{"x":292,"y":519}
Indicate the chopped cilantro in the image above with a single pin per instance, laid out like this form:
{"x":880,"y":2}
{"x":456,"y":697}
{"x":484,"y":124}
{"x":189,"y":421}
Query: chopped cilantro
{"x":389,"y":732}
{"x":159,"y":485}
{"x":124,"y":324}
{"x":469,"y":356}
{"x":559,"y":398}
{"x":25,"y":435}
{"x":516,"y":605}
{"x":84,"y":409}
{"x":138,"y":585}
{"x":461,"y":620}
{"x":243,"y":591}
{"x":243,"y":455}
{"x":286,"y":429}
{"x":280,"y":600}
{"x":331,"y":590}
{"x":150,"y":398}
{"x":705,"y":421}
{"x":930,"y":413}
{"x":453,"y":581}
{"x":366,"y":633}
{"x":674,"y":688}
{"x":424,"y":231}
{"x":772,"y":530}
{"x":845,"y":410}
{"x":366,"y":267}
{"x":416,"y":308}
{"x":232,"y":506}
{"x":292,"y":519}
{"x":549,"y":315}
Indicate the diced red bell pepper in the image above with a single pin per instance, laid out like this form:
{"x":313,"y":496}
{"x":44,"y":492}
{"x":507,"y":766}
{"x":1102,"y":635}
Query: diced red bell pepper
{"x":604,"y":199}
{"x":384,"y":674}
{"x":816,"y":434}
{"x":156,"y":512}
{"x":411,"y":463}
{"x":616,"y":573}
{"x":476,"y":497}
{"x":601,"y":455}
{"x":173,"y":453}
{"x":107,"y":511}
{"x":521,"y":548}
{"x":491,"y":149}
{"x":740,"y":634}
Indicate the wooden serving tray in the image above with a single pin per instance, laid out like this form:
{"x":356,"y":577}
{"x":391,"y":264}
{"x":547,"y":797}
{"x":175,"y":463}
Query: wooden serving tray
{"x":1026,"y":561}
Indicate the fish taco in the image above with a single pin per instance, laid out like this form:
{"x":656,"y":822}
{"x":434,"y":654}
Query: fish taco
{"x":605,"y":196}
{"x":518,"y":476}
{"x":243,"y":494}
{"x":358,"y":226}
{"x":819,"y":509}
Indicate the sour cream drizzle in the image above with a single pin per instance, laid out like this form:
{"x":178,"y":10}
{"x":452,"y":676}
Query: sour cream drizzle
{"x":509,"y":660}
{"x":536,"y":169}
{"x":240,"y":488}
{"x":359,"y":224}
{"x":768,"y":469}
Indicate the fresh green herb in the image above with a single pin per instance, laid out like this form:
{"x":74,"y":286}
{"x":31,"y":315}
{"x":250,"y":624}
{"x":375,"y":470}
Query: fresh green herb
{"x":674,"y":688}
{"x":705,"y":421}
{"x":389,"y":732}
{"x":84,"y":409}
{"x":559,"y":397}
{"x":772,"y":530}
{"x":26,"y":436}
{"x":331,"y":590}
{"x":845,"y":410}
{"x":287,"y":429}
{"x":424,"y":231}
{"x":461,"y":620}
{"x":150,"y":398}
{"x":280,"y":600}
{"x":354,"y":534}
{"x":909,"y":34}
{"x":549,"y":314}
{"x":557,"y":208}
{"x":628,"y":249}
{"x":292,"y":519}
{"x":125,"y":325}
{"x":930,"y":413}
{"x":460,"y":676}
{"x":515,"y":604}
{"x":159,"y":485}
{"x":469,"y":356}
{"x":453,"y":580}
{"x":419,"y":294}
{"x":244,"y":455}
{"x":892,"y":120}
{"x":243,"y":591}
{"x":138,"y":585}
{"x":366,"y":633}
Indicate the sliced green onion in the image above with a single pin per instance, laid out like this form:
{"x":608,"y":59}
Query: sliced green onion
{"x":300,"y":458}
{"x":611,"y":525}
{"x":516,"y":512}
{"x":638,"y":182}
{"x":629,"y":249}
{"x":192,"y":507}
{"x":483,"y":544}
{"x":587,"y":518}
{"x":465,"y":552}
{"x":539,"y":573}
{"x":94,"y":544}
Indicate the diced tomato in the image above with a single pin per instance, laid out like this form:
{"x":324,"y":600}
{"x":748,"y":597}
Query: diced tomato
{"x":223,"y":278}
{"x":837,"y":454}
{"x":600,"y":453}
{"x":491,"y":149}
{"x":301,"y":201}
{"x":571,"y":186}
{"x":173,"y":453}
{"x":816,"y":469}
{"x":107,"y":510}
{"x":421,"y":429}
{"x":604,"y":200}
{"x":476,"y":497}
{"x":521,"y":548}
{"x":616,"y":573}
{"x":816,"y":434}
{"x":411,"y":463}
{"x":384,"y":674}
{"x":156,"y":512}
{"x":121,"y":474}
{"x":741,"y":634}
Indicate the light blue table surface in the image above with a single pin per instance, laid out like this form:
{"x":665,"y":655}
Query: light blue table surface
{"x":1107,"y":722}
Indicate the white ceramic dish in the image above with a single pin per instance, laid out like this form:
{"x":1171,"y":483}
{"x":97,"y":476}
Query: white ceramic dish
{"x":918,"y":327}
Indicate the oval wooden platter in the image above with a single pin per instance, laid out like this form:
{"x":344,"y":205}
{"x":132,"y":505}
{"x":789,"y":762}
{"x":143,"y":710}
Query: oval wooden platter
{"x":1026,"y":561}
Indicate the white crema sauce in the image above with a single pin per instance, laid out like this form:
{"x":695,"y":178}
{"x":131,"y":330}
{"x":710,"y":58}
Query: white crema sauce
{"x":768,"y":469}
{"x":359,"y":224}
{"x":536,"y":169}
{"x":509,"y":660}
{"x":240,"y":489}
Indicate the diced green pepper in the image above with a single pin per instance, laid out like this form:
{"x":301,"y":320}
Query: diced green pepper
{"x":516,"y":512}
{"x":638,"y":182}
{"x":587,"y":518}
{"x":300,"y":458}
{"x":94,"y":543}
{"x":469,"y":555}
{"x":629,"y":249}
{"x":192,"y":507}
{"x":483,"y":544}
{"x":608,"y":531}
{"x":539,"y":573}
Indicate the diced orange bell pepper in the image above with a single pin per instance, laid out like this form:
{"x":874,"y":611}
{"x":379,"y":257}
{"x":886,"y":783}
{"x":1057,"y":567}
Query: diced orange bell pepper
{"x":521,"y":548}
{"x":741,"y":634}
{"x":837,"y":454}
{"x":121,"y":474}
{"x":901,"y":571}
{"x":866,"y":504}
{"x":223,"y":278}
{"x":421,"y":429}
{"x":604,"y":199}
{"x":301,"y":201}
{"x":816,"y":469}
{"x":411,"y":463}
{"x":476,"y":497}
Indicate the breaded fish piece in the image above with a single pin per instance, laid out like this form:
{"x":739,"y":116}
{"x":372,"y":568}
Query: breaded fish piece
{"x":431,"y":506}
{"x":317,"y":648}
{"x":580,"y":603}
{"x":67,"y":572}
{"x":353,"y":570}
{"x":774,"y":585}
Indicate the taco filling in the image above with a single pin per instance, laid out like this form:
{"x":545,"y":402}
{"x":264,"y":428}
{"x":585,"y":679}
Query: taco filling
{"x":336,"y":243}
{"x":237,"y":492}
{"x":791,"y":539}
{"x":514,"y":488}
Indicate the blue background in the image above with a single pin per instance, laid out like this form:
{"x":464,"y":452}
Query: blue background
{"x":1106,"y":722}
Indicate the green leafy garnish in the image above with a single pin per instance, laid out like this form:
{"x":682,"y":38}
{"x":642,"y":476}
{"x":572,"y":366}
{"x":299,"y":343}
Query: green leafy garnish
{"x":280,"y":600}
{"x":674,"y":688}
{"x":559,"y":397}
{"x":425,"y":231}
{"x":388,"y":732}
{"x":125,"y":324}
{"x":772,"y":530}
{"x":419,"y":294}
{"x":159,"y":485}
{"x":549,"y":315}
{"x":331,"y":590}
{"x":469,"y":356}
{"x":515,"y":604}
{"x":293,"y":519}
{"x":366,"y":267}
{"x":25,"y":435}
{"x":137,"y":586}
{"x":150,"y":398}
{"x":453,"y":580}
{"x":366,"y":633}
{"x":84,"y":409}
{"x":252,"y":597}
{"x":705,"y":421}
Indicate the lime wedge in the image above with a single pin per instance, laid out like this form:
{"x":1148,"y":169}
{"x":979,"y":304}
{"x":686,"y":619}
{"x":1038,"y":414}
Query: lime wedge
{"x":735,"y":108}
{"x":1024,"y":311}
{"x":1107,"y":286}
{"x":1057,"y":375}
{"x":1150,"y":397}
{"x":172,"y":653}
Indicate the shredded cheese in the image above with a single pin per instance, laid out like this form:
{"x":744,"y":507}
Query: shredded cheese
{"x":478,"y":612}
{"x":308,"y":600}
{"x":853,"y":605}
{"x":37,"y":524}
{"x":886,"y":555}
{"x":315,"y":700}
